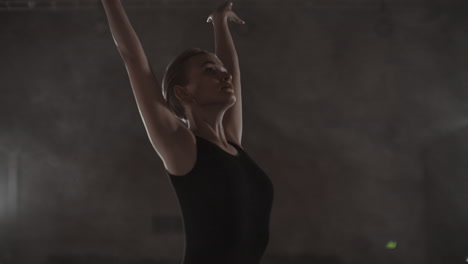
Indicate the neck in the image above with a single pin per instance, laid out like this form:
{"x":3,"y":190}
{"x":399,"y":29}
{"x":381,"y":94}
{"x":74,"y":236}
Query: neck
{"x":207,"y":124}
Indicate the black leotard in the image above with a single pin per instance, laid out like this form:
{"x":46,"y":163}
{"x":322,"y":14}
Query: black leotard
{"x":226,"y":202}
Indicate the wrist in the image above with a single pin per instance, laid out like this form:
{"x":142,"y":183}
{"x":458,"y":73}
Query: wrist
{"x":219,"y":20}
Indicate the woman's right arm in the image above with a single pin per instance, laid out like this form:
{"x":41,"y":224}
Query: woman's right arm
{"x":164,"y":130}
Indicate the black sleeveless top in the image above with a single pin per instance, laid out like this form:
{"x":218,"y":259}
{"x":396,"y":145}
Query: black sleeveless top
{"x":226,"y":202}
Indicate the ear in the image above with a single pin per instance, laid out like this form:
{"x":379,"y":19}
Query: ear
{"x":181,"y":94}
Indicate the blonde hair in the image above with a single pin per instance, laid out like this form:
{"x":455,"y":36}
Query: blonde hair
{"x":176,"y":74}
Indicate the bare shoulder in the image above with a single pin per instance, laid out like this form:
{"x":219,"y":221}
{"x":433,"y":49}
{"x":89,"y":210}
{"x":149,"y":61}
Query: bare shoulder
{"x":179,"y":156}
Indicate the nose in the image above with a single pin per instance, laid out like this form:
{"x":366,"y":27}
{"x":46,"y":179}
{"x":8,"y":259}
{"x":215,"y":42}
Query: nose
{"x":226,"y":76}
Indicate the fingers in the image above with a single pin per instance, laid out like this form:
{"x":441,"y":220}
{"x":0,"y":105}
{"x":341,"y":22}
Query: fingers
{"x":225,"y":11}
{"x":225,"y":6}
{"x":238,"y":20}
{"x":233,"y":16}
{"x":228,"y":4}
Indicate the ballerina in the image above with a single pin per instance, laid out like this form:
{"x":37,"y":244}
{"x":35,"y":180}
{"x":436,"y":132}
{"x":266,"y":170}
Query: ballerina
{"x":194,"y":122}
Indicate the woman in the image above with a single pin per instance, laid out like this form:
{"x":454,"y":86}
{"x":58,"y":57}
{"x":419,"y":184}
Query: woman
{"x":194,"y":122}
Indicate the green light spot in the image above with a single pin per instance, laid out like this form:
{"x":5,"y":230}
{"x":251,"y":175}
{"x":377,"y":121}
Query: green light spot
{"x":391,"y":244}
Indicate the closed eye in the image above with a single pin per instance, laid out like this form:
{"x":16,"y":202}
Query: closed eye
{"x":210,"y":69}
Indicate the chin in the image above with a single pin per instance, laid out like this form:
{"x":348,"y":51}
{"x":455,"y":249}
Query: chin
{"x":233,"y":100}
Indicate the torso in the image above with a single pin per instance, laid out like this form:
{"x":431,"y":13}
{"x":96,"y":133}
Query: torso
{"x":225,"y":200}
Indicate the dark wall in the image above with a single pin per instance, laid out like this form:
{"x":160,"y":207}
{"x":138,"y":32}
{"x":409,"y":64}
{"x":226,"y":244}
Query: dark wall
{"x":356,"y":110}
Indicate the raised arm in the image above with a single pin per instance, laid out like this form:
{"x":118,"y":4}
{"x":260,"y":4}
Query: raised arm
{"x":164,"y":130}
{"x":226,"y":52}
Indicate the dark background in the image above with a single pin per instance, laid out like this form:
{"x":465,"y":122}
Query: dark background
{"x":357,"y":110}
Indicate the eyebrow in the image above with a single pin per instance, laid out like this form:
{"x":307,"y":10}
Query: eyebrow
{"x":208,"y":61}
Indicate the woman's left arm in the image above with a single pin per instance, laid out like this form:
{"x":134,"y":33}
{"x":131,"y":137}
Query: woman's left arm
{"x":226,"y":52}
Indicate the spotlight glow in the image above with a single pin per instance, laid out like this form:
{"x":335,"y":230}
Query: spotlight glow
{"x":391,"y":244}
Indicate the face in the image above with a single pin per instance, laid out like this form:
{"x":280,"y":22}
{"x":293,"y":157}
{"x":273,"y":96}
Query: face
{"x":207,"y":76}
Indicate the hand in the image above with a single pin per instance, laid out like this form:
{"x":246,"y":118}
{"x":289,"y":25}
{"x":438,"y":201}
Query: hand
{"x":224,"y":11}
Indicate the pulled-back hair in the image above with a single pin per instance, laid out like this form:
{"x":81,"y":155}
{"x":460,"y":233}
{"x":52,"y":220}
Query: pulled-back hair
{"x":176,"y":74}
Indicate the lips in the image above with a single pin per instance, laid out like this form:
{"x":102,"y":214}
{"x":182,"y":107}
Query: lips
{"x":228,"y":86}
